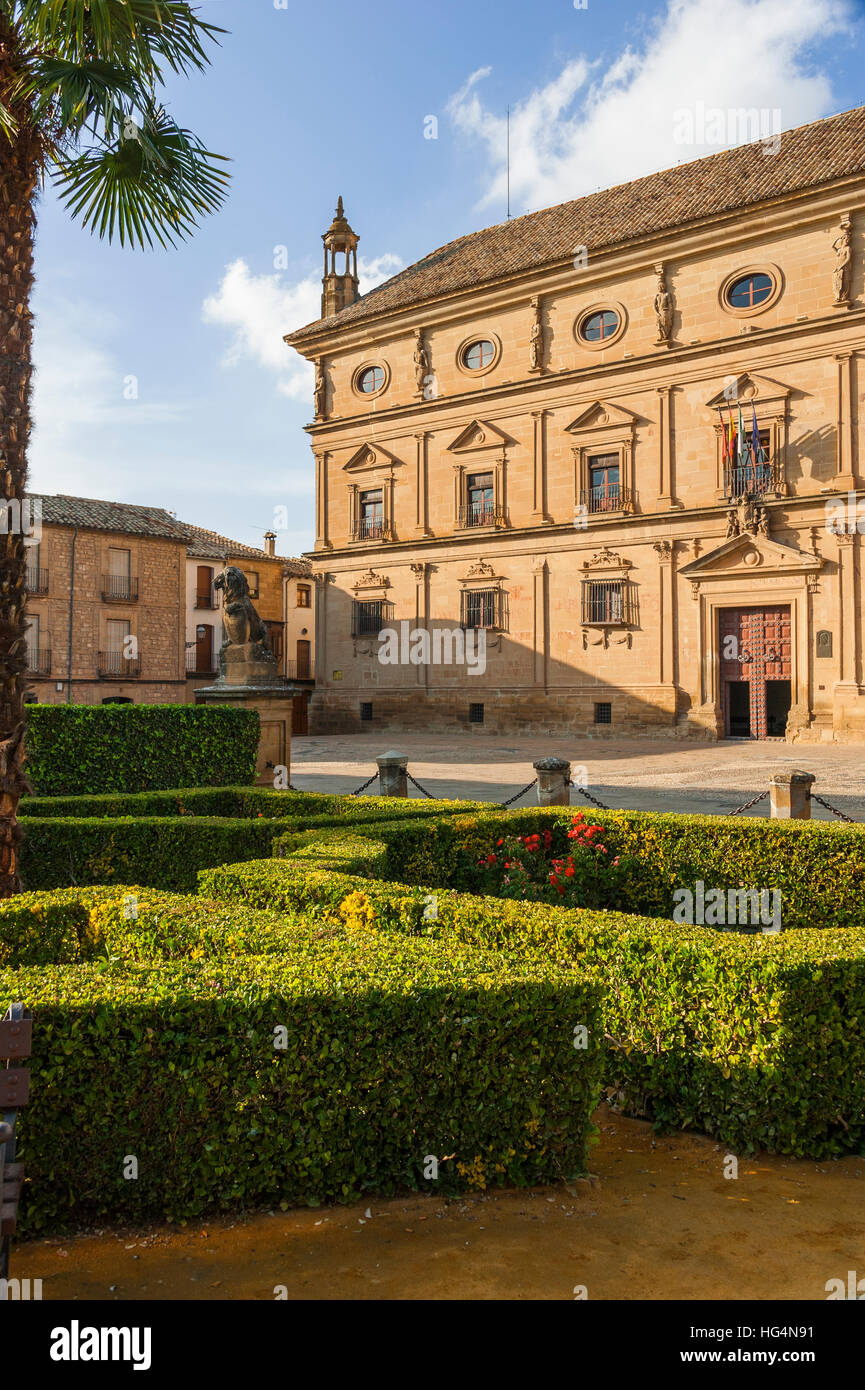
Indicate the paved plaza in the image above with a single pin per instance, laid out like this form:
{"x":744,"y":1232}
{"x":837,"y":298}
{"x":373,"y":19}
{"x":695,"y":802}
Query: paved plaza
{"x":636,"y":774}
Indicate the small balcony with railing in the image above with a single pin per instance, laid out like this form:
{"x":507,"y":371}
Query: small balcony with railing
{"x":303,"y":670}
{"x":38,"y":661}
{"x":119,"y":588}
{"x":36,"y":580}
{"x":475,"y":514}
{"x":207,"y":598}
{"x":607,"y":497}
{"x":374,"y":528}
{"x":751,"y":480}
{"x":200,"y":663}
{"x":117,"y":667}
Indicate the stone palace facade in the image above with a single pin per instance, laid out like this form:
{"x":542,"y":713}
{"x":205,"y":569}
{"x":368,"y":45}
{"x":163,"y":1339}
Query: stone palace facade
{"x":599,"y":469}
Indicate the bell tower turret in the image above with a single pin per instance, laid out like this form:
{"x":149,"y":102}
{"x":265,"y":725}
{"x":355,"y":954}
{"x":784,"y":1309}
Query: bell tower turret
{"x":339,"y":283}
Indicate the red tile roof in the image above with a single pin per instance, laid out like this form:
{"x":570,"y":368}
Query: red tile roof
{"x":810,"y":155}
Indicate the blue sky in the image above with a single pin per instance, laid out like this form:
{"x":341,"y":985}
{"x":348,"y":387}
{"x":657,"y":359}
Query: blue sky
{"x":313,"y":100}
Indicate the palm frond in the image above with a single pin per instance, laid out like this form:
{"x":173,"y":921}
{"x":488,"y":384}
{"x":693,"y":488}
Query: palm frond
{"x":134,"y":32}
{"x":74,"y":94}
{"x":156,"y":184}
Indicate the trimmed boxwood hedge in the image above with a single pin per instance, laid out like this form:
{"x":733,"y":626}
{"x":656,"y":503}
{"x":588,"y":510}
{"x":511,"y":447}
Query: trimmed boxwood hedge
{"x":128,"y":748}
{"x":757,"y":1040}
{"x":242,"y":802}
{"x":818,"y":868}
{"x":158,"y":1041}
{"x":166,"y":851}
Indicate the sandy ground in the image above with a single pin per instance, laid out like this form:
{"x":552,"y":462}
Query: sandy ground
{"x":656,"y":1220}
{"x":637,"y":774}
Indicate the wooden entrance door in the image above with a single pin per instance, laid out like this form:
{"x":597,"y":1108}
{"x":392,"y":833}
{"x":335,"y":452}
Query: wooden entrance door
{"x":755,"y":648}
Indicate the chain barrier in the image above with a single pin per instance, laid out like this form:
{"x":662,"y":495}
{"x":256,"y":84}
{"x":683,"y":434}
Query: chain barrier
{"x":588,"y":795}
{"x":364,"y":785}
{"x":748,"y":804}
{"x":417,"y":784}
{"x":833,"y":809}
{"x":516,"y":796}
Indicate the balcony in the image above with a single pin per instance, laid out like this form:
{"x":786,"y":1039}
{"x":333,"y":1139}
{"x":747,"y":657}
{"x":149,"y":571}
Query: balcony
{"x":300,"y":670}
{"x":36,"y":580}
{"x":475,"y":515}
{"x":610,"y":497}
{"x":119,"y":588}
{"x":370,"y":529}
{"x":200,"y":666}
{"x":208,"y":600}
{"x":114,"y":666}
{"x":753,"y":480}
{"x":38,"y":661}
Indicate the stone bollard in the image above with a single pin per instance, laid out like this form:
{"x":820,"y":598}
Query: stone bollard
{"x":554,"y":775}
{"x":790,"y":795}
{"x":392,"y":780}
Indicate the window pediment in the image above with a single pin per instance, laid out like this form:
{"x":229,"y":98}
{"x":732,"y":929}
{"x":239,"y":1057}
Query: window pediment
{"x":370,"y":456}
{"x":750,"y":387}
{"x":478,"y":435}
{"x":603,"y":416}
{"x":750,"y":554}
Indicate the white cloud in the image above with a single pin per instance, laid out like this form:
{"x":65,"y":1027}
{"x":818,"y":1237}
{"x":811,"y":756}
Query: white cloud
{"x":596,"y":124}
{"x":88,"y":420}
{"x":261,"y":309}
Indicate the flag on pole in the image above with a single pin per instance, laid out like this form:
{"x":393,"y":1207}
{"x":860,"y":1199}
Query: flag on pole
{"x":743,"y":442}
{"x":757,"y":447}
{"x":732,"y":434}
{"x":723,"y":434}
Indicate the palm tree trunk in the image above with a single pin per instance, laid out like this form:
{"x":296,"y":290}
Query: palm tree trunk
{"x":19,"y":168}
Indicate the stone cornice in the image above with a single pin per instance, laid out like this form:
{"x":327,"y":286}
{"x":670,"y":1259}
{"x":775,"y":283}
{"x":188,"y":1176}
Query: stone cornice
{"x":738,"y":345}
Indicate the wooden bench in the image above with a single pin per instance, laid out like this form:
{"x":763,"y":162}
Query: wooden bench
{"x":16,"y":1034}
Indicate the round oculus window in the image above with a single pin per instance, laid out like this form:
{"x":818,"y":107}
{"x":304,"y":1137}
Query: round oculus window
{"x":478,"y":355}
{"x":371,"y":380}
{"x":597,"y":327}
{"x":750,"y":290}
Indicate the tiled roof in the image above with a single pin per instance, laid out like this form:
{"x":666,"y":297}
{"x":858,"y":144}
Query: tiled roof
{"x":210,"y":545}
{"x":808,"y":156}
{"x":92,"y":514}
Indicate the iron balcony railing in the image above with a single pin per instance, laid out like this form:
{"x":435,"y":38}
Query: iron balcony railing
{"x":207,"y":600}
{"x":38,"y":661}
{"x":611,"y":497}
{"x":119,"y":588}
{"x":370,"y":529}
{"x":477,"y":515}
{"x":300,"y":670}
{"x":198,"y":666}
{"x":36,"y":580}
{"x":116,"y":666}
{"x":751,"y":479}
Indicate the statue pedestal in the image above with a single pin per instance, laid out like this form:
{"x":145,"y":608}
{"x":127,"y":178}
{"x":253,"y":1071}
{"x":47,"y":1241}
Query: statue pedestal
{"x":275,"y":704}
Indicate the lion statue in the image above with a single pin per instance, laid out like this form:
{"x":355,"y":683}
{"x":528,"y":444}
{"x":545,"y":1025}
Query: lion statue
{"x":246,"y":653}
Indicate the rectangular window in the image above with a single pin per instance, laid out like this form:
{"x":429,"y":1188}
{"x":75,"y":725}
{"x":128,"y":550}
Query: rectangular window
{"x":32,"y":640}
{"x":304,"y":596}
{"x":118,"y":631}
{"x":371,"y":515}
{"x":369,"y":616}
{"x":482,"y":608}
{"x":607,"y":601}
{"x":603,"y":713}
{"x":365,"y":711}
{"x":604,"y":483}
{"x":479,"y":494}
{"x":117,"y":584}
{"x":252,"y":580}
{"x":204,"y":597}
{"x":476,"y":714}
